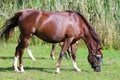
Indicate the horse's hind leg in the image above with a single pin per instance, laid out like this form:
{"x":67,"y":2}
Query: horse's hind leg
{"x":30,"y":53}
{"x":23,"y":43}
{"x":15,"y":60}
{"x":16,"y":56}
{"x":28,"y":49}
{"x":53,"y":51}
{"x":73,"y":54}
{"x":69,"y":51}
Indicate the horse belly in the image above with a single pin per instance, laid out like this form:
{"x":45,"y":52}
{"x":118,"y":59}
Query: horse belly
{"x":48,"y":37}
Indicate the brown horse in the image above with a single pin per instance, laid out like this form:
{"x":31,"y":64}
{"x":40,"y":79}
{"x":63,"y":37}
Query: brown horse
{"x":54,"y":27}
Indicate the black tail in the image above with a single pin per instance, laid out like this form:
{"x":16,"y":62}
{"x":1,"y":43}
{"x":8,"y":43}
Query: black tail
{"x":9,"y":26}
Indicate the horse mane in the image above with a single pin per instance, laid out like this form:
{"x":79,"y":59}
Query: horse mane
{"x":92,"y":31}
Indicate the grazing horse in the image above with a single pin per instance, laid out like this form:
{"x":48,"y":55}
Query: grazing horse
{"x":54,"y":27}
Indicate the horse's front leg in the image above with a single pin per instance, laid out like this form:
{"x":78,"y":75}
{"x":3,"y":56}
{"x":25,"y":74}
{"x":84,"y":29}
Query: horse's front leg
{"x":66,"y":44}
{"x":73,"y":54}
{"x":53,"y":51}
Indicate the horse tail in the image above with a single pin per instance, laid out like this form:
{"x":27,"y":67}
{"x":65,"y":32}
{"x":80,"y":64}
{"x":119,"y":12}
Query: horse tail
{"x":9,"y":26}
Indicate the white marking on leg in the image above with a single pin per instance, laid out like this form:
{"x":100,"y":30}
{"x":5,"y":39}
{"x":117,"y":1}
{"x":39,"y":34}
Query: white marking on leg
{"x":22,"y":69}
{"x":75,"y":67}
{"x":53,"y":57}
{"x":57,"y":70}
{"x":15,"y":64}
{"x":30,"y":53}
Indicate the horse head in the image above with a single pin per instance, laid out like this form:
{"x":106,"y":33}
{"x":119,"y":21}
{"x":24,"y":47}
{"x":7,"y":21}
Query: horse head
{"x":95,"y":59}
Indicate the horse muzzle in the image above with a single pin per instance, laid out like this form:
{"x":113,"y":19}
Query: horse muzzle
{"x":97,"y":69}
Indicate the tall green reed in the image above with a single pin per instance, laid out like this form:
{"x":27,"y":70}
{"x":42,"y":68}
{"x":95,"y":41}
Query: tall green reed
{"x":103,"y":15}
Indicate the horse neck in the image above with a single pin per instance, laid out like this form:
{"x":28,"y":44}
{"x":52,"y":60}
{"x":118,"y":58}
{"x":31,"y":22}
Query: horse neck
{"x":90,"y":37}
{"x":90,"y":43}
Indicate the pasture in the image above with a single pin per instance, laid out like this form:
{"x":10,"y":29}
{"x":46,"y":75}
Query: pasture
{"x":43,"y":68}
{"x":103,"y":15}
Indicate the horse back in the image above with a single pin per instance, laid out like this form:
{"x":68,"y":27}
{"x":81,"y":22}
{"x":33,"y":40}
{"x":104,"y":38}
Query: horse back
{"x":49,"y":26}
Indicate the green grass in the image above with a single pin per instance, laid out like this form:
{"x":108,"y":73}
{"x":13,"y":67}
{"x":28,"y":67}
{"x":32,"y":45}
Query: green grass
{"x":44,"y":67}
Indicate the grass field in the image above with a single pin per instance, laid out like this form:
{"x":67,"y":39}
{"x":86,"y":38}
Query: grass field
{"x":44,"y":67}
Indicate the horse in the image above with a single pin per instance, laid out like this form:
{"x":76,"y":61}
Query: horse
{"x":54,"y":27}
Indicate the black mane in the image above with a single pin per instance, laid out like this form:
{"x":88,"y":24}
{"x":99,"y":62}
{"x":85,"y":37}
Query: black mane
{"x":92,"y":31}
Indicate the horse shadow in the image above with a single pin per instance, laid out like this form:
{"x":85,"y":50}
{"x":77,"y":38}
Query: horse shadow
{"x":5,"y":69}
{"x":52,"y":70}
{"x":42,"y":69}
{"x":46,"y":70}
{"x":5,"y":58}
{"x":37,"y":58}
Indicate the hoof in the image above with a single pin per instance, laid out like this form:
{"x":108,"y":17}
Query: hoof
{"x":16,"y":71}
{"x":22,"y":71}
{"x":53,"y":57}
{"x":57,"y":72}
{"x":33,"y":59}
{"x":77,"y":70}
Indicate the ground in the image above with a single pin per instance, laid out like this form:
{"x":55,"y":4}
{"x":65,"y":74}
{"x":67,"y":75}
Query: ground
{"x":43,"y":68}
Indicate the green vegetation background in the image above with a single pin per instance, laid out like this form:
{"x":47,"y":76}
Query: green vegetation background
{"x":103,"y":15}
